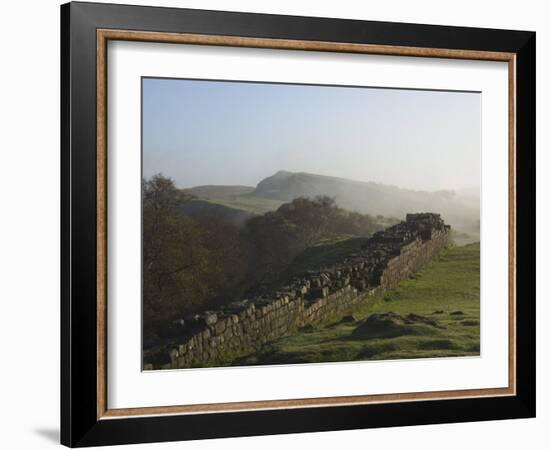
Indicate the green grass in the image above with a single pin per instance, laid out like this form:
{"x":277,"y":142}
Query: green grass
{"x":249,"y":203}
{"x":444,"y":296}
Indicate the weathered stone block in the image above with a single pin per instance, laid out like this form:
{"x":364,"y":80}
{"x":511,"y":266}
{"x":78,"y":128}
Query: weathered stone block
{"x":209,"y":317}
{"x":174,"y":353}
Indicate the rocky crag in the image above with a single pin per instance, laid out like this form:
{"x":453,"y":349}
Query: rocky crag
{"x":242,"y":327}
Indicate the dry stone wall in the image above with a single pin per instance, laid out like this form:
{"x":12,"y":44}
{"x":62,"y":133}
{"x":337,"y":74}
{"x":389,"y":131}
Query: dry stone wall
{"x":242,"y":327}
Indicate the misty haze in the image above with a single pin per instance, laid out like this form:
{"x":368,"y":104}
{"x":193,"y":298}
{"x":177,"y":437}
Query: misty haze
{"x":296,"y":224}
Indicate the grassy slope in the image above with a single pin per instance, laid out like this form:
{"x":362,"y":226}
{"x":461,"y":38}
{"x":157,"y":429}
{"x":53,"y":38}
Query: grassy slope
{"x":446,"y":290}
{"x":248,"y":203}
{"x":326,"y":253}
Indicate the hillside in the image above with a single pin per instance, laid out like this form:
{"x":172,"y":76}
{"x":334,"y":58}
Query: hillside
{"x":460,"y":209}
{"x":240,"y":199}
{"x":218,"y":191}
{"x":324,"y":254}
{"x":248,"y":203}
{"x":204,"y":209}
{"x":371,"y":198}
{"x":435,"y":314}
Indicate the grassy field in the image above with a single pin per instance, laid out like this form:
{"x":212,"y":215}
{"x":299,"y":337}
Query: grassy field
{"x":435,"y":314}
{"x":249,"y":203}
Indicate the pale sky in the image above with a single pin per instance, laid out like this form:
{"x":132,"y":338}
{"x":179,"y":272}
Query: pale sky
{"x":214,"y":132}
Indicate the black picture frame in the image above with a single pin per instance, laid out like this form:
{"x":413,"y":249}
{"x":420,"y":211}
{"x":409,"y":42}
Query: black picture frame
{"x":80,"y":425}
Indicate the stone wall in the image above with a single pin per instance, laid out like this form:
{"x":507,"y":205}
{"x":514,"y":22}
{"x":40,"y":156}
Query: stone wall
{"x":242,"y":327}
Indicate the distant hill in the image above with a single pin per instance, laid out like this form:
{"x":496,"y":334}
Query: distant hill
{"x":249,"y":203}
{"x":370,"y":198}
{"x":458,"y":209}
{"x":219,"y":192}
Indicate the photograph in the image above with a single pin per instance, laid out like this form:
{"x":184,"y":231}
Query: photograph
{"x":298,"y":223}
{"x":278,"y":223}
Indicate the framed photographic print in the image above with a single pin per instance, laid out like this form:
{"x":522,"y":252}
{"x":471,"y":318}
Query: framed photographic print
{"x":277,"y":224}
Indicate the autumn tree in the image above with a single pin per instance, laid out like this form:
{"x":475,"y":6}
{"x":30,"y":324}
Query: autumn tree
{"x":189,"y":263}
{"x":279,"y":236}
{"x":174,"y":258}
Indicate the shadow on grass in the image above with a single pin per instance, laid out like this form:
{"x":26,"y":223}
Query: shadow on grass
{"x":391,"y":325}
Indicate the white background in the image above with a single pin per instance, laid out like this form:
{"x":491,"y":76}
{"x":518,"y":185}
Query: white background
{"x":29,"y":186}
{"x":128,"y":387}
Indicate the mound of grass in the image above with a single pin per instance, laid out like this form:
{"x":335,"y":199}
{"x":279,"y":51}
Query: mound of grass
{"x":433,"y":315}
{"x":388,"y":325}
